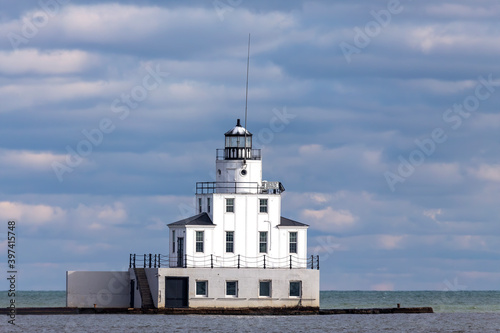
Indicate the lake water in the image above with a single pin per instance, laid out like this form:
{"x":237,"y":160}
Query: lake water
{"x":456,"y":311}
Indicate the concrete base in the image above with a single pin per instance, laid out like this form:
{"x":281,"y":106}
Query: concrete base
{"x":114,"y":289}
{"x":248,"y":287}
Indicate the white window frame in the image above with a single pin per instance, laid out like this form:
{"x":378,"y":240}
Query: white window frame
{"x":230,"y":242}
{"x":290,"y":242}
{"x":199,"y":206}
{"x":263,"y":208}
{"x":202,"y":241}
{"x":227,"y":205}
{"x":209,"y":205}
{"x":260,"y":241}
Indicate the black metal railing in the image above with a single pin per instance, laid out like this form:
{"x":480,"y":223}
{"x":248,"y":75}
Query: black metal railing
{"x":239,"y":187}
{"x":238,"y":153}
{"x":213,"y":261}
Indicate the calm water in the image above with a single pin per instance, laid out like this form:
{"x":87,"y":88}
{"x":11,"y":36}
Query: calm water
{"x":461,"y":311}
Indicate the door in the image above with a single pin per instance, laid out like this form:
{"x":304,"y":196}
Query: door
{"x":132,"y":293}
{"x":180,"y":252}
{"x":176,"y":292}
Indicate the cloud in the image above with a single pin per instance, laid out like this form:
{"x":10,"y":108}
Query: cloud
{"x":28,"y":160}
{"x":433,"y":213}
{"x":31,"y":215}
{"x":391,"y":242}
{"x":47,"y":91}
{"x":487,"y":172}
{"x":385,"y":286}
{"x":99,"y":217}
{"x":80,"y":248}
{"x":463,"y":11}
{"x":328,"y":219}
{"x":439,"y":38}
{"x":53,"y":62}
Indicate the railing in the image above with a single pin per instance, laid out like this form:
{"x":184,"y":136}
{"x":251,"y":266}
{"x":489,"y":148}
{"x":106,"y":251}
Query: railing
{"x":239,"y":187}
{"x":213,"y":261}
{"x":238,"y":153}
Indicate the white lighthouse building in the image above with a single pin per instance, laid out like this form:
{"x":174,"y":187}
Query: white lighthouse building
{"x":239,"y":216}
{"x":238,"y":251}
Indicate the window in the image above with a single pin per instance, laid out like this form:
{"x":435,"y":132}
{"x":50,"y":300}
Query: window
{"x":199,"y":241}
{"x":230,"y":241}
{"x":208,"y":205}
{"x":263,"y":205}
{"x":173,"y":240}
{"x":201,"y":288}
{"x":232,"y":288}
{"x":263,"y":242}
{"x":295,"y":288}
{"x":199,"y":205}
{"x":265,"y":288}
{"x":229,"y":205}
{"x":293,"y":242}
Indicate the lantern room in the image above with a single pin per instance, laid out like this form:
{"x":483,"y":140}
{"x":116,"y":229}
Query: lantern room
{"x":238,"y":143}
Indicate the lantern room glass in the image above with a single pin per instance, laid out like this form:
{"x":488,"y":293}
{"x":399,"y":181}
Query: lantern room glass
{"x":238,"y":142}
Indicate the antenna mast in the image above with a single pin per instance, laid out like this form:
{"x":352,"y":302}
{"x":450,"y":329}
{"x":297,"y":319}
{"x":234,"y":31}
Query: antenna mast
{"x":246,"y":100}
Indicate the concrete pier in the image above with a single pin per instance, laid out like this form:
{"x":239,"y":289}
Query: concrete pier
{"x":263,"y":311}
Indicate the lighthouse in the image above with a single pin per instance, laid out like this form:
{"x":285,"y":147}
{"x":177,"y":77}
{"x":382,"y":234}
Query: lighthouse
{"x":239,"y":228}
{"x":237,"y":250}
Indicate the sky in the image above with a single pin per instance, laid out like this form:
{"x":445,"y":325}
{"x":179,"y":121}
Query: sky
{"x":380,"y":118}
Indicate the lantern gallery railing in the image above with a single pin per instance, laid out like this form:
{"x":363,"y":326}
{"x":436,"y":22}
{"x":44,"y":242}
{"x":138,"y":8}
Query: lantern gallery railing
{"x":239,"y":187}
{"x":213,"y":261}
{"x":238,"y":154}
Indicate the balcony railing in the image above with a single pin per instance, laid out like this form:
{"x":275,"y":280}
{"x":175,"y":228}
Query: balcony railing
{"x":238,"y":154}
{"x":239,"y":187}
{"x":213,"y":261}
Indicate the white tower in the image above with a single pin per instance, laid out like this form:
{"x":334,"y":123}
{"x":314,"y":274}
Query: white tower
{"x":239,"y":163}
{"x":238,"y":219}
